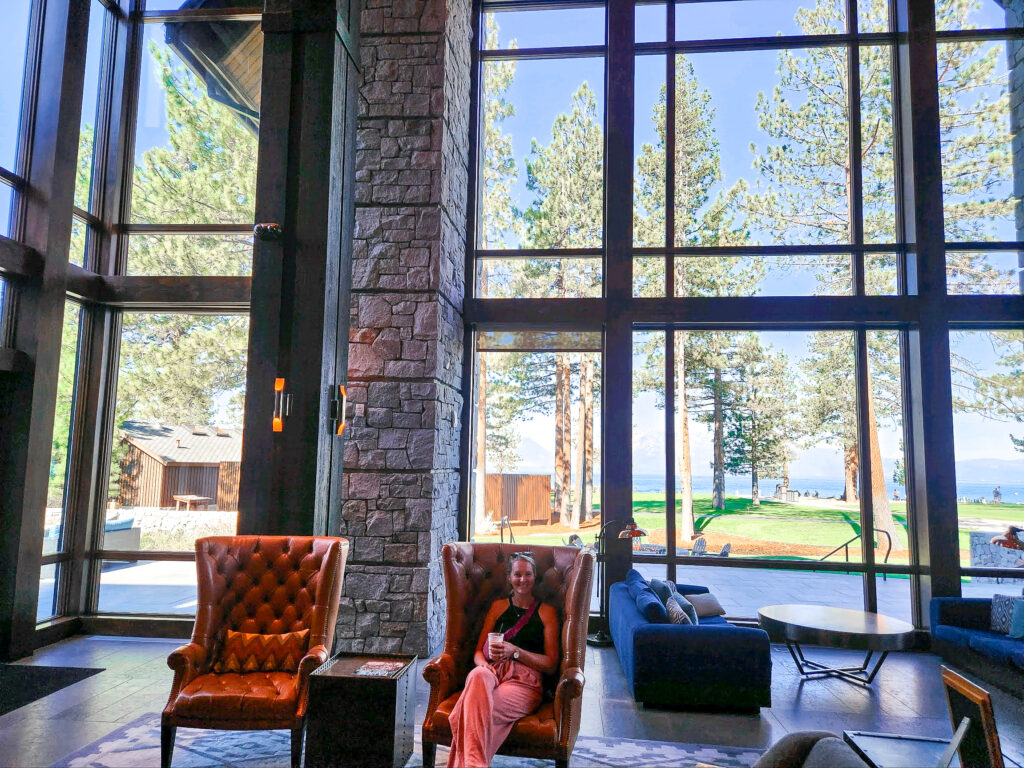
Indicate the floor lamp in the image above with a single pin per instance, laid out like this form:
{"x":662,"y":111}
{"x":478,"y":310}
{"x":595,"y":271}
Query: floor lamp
{"x":601,"y":638}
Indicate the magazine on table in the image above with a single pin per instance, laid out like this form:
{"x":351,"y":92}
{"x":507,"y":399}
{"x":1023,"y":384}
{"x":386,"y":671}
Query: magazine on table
{"x":380,"y":668}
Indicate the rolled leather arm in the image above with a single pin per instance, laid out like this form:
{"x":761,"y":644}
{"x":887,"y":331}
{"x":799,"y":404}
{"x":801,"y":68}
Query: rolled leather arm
{"x":570,"y":687}
{"x":314,"y":657}
{"x":440,"y":674}
{"x":186,"y":662}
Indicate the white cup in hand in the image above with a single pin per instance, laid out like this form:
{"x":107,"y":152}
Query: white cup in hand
{"x":494,"y":638}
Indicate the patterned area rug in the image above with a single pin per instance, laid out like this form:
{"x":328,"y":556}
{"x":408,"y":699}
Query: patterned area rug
{"x":137,"y":745}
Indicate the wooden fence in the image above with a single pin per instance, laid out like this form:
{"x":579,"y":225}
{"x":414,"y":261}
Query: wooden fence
{"x":521,"y":498}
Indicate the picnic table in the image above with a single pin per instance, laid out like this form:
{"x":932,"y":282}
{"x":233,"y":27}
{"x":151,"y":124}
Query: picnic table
{"x":189,"y":499}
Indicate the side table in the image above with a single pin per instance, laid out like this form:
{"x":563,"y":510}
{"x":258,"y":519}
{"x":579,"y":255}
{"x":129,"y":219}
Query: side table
{"x":356,"y":720}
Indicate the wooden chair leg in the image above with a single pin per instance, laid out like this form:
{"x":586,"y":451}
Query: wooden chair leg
{"x":166,"y":744}
{"x":429,"y":752}
{"x":297,"y":739}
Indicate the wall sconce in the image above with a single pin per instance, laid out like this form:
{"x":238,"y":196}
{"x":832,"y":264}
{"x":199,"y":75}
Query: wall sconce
{"x":282,"y":405}
{"x":339,"y":406}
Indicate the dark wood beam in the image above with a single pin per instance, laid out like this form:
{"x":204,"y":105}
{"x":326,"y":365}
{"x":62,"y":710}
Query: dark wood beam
{"x":84,"y":285}
{"x":13,"y":360}
{"x":179,"y":294}
{"x":18,"y":260}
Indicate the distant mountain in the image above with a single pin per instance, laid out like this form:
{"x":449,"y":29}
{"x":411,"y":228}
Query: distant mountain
{"x":990,"y":470}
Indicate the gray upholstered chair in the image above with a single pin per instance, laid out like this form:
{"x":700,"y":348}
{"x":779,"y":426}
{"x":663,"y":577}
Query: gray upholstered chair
{"x":810,"y":749}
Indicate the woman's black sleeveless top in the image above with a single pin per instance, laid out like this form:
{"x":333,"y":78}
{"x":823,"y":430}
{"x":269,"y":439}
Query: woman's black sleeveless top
{"x":531,"y":636}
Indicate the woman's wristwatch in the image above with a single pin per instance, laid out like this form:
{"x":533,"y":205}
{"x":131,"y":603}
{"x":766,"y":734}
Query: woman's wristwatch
{"x":515,"y":654}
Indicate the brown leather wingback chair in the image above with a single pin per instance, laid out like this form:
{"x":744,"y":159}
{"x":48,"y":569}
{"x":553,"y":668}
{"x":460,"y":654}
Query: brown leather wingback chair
{"x":259,"y":585}
{"x":475,"y":575}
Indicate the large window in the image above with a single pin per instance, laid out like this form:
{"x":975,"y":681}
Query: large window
{"x":775,"y":310}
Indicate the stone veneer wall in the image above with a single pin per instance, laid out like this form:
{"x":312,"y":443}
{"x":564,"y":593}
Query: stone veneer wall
{"x":405,"y":355}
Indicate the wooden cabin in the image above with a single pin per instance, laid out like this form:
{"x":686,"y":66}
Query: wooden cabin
{"x":524,"y":499}
{"x":164,"y":461}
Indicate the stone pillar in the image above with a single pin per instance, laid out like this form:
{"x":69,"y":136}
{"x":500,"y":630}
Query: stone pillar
{"x":405,"y":353}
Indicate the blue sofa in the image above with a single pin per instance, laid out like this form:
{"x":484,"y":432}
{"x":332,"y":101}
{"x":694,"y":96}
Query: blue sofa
{"x":961,"y":635}
{"x":710,"y":667}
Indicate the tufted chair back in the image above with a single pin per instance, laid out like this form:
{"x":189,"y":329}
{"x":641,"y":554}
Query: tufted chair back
{"x":475,"y":575}
{"x":267,"y":585}
{"x":262,"y":585}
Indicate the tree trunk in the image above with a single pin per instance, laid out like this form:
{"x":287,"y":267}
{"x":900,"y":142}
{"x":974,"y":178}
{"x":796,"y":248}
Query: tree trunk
{"x":580,"y":462}
{"x":587,"y":396}
{"x":718,"y":481}
{"x":755,"y":491}
{"x":563,"y":433}
{"x":883,"y":519}
{"x":684,"y":526}
{"x":851,"y":463}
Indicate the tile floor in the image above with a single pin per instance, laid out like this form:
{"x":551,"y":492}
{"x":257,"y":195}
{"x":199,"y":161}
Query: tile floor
{"x":906,"y":698}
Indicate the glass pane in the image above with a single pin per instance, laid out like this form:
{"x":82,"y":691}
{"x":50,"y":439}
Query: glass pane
{"x":538,"y":341}
{"x":79,"y":236}
{"x":548,"y":28}
{"x":741,"y":591}
{"x":881,"y":274}
{"x":976,"y":14}
{"x":649,"y":153}
{"x":985,"y":272}
{"x":893,"y":593}
{"x":746,"y":172}
{"x":539,"y":278}
{"x":979,"y":159}
{"x":542,"y":154}
{"x":49,"y":575}
{"x":987,"y":586}
{"x":988,"y":439}
{"x":6,"y":209}
{"x":87,"y":132}
{"x":537,"y":438}
{"x":186,"y":255}
{"x":766,"y":444}
{"x":60,"y":453}
{"x":147,"y":586}
{"x":651,"y":23}
{"x":885,"y":443}
{"x":876,"y":138}
{"x":178,"y":441}
{"x":649,"y":277}
{"x":650,"y":508}
{"x":12,"y":64}
{"x":701,"y":20}
{"x":198,"y":123}
{"x":175,"y":5}
{"x":797,"y":275}
{"x":873,"y":16}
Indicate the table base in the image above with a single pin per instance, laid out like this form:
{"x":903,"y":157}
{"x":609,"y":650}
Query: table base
{"x":811,"y":670}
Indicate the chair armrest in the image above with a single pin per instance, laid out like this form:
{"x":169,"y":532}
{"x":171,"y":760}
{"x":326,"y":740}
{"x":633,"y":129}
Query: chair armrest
{"x":440,"y":675}
{"x":569,"y":689}
{"x":966,"y":612}
{"x":791,"y":750}
{"x":186,"y":661}
{"x":314,"y":657}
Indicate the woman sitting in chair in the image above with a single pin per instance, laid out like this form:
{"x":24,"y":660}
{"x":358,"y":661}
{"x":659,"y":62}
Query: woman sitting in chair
{"x":505,"y":685}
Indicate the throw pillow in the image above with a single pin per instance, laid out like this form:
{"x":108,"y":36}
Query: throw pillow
{"x":687,"y":607}
{"x":676,"y":615}
{"x":245,"y":652}
{"x":1017,"y":621}
{"x":634,"y":575}
{"x":661,"y":589}
{"x":706,"y":605}
{"x":1002,"y":612}
{"x":648,"y":603}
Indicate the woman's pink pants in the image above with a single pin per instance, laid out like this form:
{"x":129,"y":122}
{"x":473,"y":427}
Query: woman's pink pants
{"x":493,"y":699}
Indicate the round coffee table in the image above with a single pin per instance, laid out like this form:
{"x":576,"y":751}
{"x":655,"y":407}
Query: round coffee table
{"x":836,"y":628}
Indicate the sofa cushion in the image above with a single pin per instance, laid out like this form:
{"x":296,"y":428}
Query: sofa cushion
{"x":832,"y":752}
{"x":998,"y":647}
{"x":647,"y":603}
{"x":955,"y":635}
{"x":706,"y":605}
{"x":686,"y":605}
{"x":1002,"y":612}
{"x":676,"y":615}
